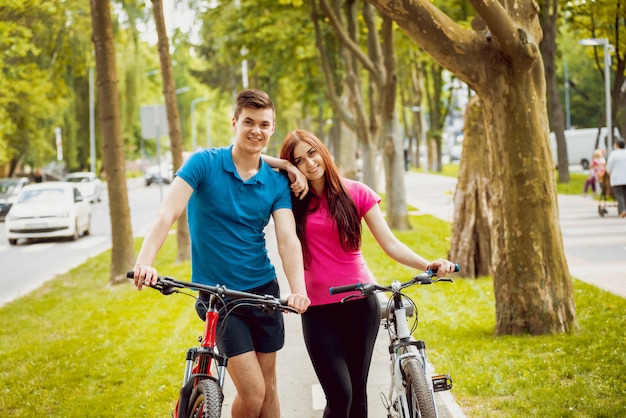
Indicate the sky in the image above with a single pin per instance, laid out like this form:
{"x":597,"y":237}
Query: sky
{"x":177,"y":16}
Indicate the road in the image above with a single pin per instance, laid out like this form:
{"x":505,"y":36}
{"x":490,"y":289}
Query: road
{"x":20,"y":275}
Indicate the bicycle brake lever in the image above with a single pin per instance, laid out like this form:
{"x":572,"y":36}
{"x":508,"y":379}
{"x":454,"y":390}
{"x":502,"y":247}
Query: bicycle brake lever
{"x":347,"y":298}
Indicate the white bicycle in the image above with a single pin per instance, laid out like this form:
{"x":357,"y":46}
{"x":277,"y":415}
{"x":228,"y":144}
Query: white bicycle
{"x":413,"y":384}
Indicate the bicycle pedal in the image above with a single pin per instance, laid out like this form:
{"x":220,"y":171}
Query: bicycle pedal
{"x":441,"y":382}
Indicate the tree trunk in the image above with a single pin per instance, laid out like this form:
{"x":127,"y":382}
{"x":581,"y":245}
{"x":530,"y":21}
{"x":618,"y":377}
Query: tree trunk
{"x":393,"y":147}
{"x":470,"y":244}
{"x":533,"y":289}
{"x":502,"y":63}
{"x":122,"y":251}
{"x":173,"y":121}
{"x":557,"y":120}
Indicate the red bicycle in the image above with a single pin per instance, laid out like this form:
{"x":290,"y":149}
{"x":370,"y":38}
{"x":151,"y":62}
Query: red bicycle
{"x":201,"y":394}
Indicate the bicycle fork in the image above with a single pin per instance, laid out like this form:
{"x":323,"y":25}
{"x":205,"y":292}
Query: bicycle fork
{"x":407,"y":348}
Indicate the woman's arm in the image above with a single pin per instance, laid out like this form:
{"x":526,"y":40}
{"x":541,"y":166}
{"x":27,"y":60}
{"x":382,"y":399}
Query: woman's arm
{"x":299,"y":183}
{"x":397,"y":250}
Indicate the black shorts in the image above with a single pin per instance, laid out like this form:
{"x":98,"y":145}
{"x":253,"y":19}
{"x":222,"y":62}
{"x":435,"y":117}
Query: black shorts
{"x":247,"y":328}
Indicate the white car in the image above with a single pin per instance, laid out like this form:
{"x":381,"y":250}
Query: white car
{"x":89,"y":185}
{"x":48,"y":210}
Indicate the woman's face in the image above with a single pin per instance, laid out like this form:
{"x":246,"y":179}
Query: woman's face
{"x":309,"y":161}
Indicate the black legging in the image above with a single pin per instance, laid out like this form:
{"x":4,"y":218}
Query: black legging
{"x":340,"y":340}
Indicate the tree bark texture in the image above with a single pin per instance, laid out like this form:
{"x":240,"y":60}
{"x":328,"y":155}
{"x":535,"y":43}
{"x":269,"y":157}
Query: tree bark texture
{"x":502,"y":63}
{"x":470,"y":245}
{"x":173,"y":121}
{"x":122,"y":251}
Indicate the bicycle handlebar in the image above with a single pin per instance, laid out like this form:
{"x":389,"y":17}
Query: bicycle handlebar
{"x":167,"y":285}
{"x":369,"y":288}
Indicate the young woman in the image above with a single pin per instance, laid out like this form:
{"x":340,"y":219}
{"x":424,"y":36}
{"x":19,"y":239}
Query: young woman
{"x":339,"y":336}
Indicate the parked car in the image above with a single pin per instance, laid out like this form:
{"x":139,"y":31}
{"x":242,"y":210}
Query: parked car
{"x":48,"y":210}
{"x":153,"y":174}
{"x":89,"y":185}
{"x":9,"y":189}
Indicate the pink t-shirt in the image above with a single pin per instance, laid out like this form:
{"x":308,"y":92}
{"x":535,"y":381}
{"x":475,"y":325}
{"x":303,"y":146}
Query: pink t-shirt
{"x":330,"y":265}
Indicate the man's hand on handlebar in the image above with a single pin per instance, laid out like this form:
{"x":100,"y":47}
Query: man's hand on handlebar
{"x":144,"y":275}
{"x":298,"y":302}
{"x":442,"y":267}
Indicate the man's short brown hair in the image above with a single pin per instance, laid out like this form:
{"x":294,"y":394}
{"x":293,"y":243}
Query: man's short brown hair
{"x":253,"y":98}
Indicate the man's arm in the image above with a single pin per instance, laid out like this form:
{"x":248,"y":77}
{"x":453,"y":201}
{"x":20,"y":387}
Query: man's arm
{"x":171,"y":208}
{"x":290,"y":252}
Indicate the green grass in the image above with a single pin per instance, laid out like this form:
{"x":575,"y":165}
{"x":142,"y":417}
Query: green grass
{"x":575,"y":186}
{"x":79,"y":348}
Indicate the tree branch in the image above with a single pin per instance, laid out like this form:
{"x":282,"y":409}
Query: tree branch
{"x":343,"y":36}
{"x":332,"y":93}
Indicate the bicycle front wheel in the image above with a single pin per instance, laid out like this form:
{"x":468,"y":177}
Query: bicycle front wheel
{"x":418,"y":394}
{"x":206,"y":400}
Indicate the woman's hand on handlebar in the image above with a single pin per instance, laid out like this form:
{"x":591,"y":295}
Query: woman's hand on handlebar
{"x":442,"y":267}
{"x":144,"y":274}
{"x":298,"y":302}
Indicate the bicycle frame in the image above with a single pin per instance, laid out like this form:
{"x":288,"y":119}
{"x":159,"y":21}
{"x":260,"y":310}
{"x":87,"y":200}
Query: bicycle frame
{"x":411,"y":373}
{"x":199,"y":361}
{"x":403,"y":346}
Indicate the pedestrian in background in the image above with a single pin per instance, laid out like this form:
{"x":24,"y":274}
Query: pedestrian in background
{"x":616,"y":168}
{"x":340,"y":336}
{"x":596,"y":172}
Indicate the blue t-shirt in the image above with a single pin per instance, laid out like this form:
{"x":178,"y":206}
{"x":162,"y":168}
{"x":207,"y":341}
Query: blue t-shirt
{"x":227,"y":218}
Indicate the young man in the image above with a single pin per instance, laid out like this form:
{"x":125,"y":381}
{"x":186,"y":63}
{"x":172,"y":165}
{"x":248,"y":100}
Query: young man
{"x":230,"y":194}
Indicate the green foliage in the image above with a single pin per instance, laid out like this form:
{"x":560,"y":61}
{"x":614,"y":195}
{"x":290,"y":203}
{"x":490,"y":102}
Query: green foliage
{"x":281,"y":57}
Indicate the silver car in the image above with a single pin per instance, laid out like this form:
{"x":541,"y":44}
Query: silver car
{"x":48,"y":210}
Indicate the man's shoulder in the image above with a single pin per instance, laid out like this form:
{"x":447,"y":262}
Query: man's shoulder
{"x":273,"y":176}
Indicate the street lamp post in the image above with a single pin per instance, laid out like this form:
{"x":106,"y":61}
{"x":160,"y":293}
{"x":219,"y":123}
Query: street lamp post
{"x":607,"y":80}
{"x":194,"y":142}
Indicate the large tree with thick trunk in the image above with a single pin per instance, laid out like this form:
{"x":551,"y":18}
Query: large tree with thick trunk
{"x":122,"y":250}
{"x":501,"y":61}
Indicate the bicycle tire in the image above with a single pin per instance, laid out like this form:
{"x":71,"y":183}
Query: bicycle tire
{"x":206,"y":400}
{"x":418,"y":394}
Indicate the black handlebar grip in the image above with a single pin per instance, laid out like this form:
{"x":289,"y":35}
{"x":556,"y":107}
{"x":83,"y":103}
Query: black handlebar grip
{"x":345,"y":288}
{"x":130,"y":274}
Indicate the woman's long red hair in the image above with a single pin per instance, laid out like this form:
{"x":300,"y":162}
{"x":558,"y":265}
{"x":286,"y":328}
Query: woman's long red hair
{"x":341,"y":206}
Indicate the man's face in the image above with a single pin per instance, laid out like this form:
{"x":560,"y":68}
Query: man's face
{"x":253,"y":129}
